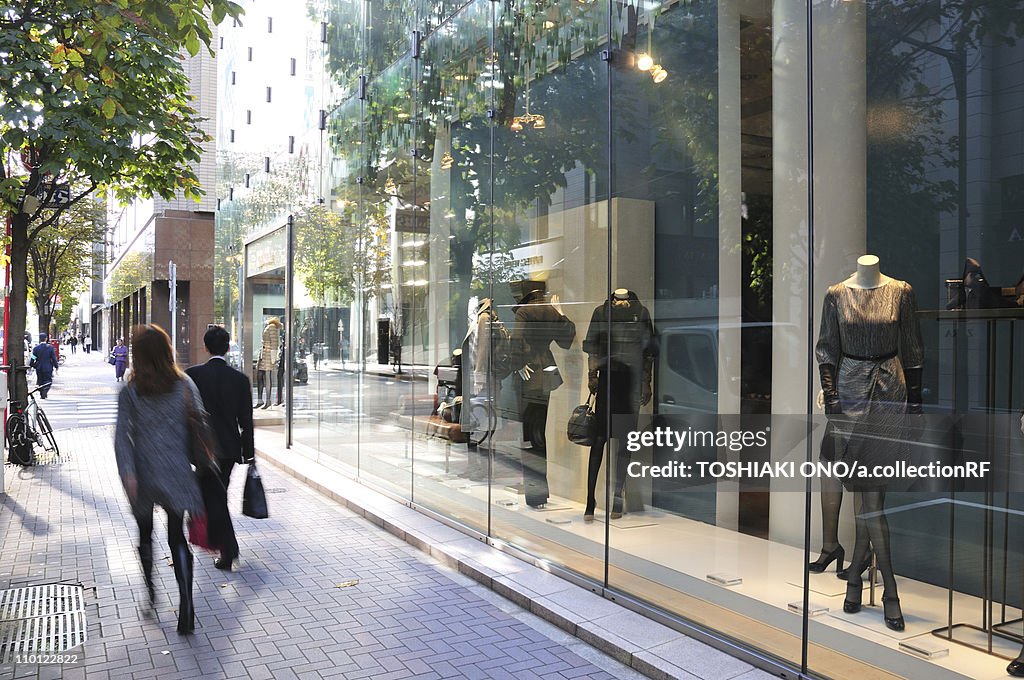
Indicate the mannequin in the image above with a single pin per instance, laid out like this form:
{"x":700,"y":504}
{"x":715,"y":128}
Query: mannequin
{"x":620,"y":360}
{"x":869,"y":356}
{"x":538,"y":324}
{"x":867,"y":276}
{"x":266,"y":361}
{"x":281,"y":364}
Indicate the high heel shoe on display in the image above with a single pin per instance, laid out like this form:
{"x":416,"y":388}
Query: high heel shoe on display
{"x":1016,"y":667}
{"x":892,"y":613}
{"x":588,"y":513}
{"x":821,"y":564}
{"x":854,"y":592}
{"x":844,"y":574}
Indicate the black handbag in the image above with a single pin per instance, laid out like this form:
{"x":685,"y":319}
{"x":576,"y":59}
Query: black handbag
{"x":580,"y":429}
{"x":254,"y":498}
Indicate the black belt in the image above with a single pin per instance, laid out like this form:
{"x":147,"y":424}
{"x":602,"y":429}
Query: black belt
{"x":876,"y":357}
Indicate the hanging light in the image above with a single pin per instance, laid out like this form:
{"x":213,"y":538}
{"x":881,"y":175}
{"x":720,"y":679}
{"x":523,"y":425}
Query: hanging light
{"x":645,"y":60}
{"x":447,"y":161}
{"x":534,"y":120}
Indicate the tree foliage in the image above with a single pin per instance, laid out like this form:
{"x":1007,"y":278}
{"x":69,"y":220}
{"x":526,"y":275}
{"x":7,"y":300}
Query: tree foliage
{"x":93,"y":95}
{"x":62,"y":257}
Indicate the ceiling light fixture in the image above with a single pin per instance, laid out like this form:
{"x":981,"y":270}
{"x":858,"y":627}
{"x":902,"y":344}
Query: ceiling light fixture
{"x":534,"y":120}
{"x":645,"y":60}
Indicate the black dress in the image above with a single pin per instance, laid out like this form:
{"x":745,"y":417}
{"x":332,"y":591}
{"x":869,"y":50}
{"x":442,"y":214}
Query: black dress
{"x":870,"y":335}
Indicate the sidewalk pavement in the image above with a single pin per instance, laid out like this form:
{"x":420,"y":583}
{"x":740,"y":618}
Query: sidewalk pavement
{"x":320,"y":592}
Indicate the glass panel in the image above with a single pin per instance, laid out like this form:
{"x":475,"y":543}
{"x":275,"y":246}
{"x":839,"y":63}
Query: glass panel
{"x":548,"y":268}
{"x":447,"y":241}
{"x":326,"y":251}
{"x":917,"y":163}
{"x":696,"y":326}
{"x":389,"y":406}
{"x":388,"y":25}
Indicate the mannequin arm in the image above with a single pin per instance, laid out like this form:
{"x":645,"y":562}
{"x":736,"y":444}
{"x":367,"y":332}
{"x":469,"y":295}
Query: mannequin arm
{"x":830,"y":389}
{"x":912,"y":376}
{"x":647,"y":383}
{"x":593,"y":373}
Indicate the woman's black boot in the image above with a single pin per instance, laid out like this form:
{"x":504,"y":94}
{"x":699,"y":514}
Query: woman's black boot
{"x":183,"y":574}
{"x":146,"y":557}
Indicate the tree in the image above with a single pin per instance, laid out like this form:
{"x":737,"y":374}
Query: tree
{"x":61,"y":257}
{"x":93,"y":97}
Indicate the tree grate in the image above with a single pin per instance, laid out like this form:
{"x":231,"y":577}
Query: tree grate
{"x":41,"y":619}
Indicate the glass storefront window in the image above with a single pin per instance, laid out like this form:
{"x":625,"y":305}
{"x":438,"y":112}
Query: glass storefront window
{"x":795,"y":222}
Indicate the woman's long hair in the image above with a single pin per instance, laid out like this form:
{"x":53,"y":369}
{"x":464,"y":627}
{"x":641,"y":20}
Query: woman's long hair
{"x":153,"y":367}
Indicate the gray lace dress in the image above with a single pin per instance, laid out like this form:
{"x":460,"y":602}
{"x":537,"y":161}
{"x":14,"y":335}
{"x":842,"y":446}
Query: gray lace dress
{"x":151,"y":443}
{"x":870,"y":335}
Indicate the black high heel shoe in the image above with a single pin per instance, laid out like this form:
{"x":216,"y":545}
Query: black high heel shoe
{"x":892,"y":613}
{"x":844,"y":574}
{"x":1016,"y":667}
{"x":821,"y":564}
{"x":854,"y":593}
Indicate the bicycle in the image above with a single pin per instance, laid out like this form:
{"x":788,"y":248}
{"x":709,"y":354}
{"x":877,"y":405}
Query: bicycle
{"x":28,"y":427}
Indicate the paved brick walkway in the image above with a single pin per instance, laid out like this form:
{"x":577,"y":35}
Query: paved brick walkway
{"x":284,"y":612}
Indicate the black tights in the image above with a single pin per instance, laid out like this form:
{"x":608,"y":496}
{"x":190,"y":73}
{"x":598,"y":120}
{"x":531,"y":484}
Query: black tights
{"x":872,"y":534}
{"x":831,"y":503}
{"x":263,"y":379}
{"x":594,"y":469}
{"x":175,"y":528}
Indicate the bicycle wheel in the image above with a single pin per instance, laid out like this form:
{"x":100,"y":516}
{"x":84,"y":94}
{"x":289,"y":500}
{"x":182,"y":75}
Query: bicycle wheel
{"x":49,"y":442}
{"x":18,"y":442}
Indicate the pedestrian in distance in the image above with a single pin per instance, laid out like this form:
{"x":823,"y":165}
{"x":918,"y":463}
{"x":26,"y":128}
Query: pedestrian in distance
{"x":44,"y":360}
{"x":73,"y":341}
{"x":153,"y":448}
{"x":87,"y":343}
{"x":120,"y":354}
{"x":227,"y":394}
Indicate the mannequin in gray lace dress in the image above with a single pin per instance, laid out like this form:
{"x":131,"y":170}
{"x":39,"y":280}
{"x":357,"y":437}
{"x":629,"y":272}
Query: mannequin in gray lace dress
{"x":869,"y":356}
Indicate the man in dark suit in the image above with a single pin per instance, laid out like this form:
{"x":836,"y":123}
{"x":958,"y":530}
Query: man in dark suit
{"x":44,"y":360}
{"x":227,"y":396}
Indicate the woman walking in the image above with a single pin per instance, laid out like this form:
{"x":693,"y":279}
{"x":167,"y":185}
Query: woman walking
{"x":152,"y":445}
{"x":120,"y":354}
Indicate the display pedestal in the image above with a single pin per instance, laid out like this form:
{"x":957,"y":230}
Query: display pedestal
{"x":991,"y":636}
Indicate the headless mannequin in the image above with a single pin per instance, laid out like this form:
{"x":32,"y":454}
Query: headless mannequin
{"x":623,"y":397}
{"x":867,"y":276}
{"x":872,"y":527}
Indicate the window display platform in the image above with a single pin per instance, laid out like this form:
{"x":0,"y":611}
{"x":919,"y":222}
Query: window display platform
{"x":666,"y":559}
{"x":771,"y":574}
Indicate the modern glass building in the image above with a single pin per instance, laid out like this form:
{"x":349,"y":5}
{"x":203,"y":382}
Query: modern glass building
{"x":666,"y":204}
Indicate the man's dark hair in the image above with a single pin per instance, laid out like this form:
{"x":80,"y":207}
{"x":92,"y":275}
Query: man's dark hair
{"x":217,"y":341}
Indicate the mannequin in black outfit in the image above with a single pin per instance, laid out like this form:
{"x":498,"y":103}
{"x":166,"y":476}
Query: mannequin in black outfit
{"x":621,"y":380}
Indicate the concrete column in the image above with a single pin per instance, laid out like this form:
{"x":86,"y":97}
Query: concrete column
{"x":839,"y":183}
{"x":730,"y":235}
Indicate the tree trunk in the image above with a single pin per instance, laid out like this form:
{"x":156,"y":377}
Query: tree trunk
{"x":17,"y":380}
